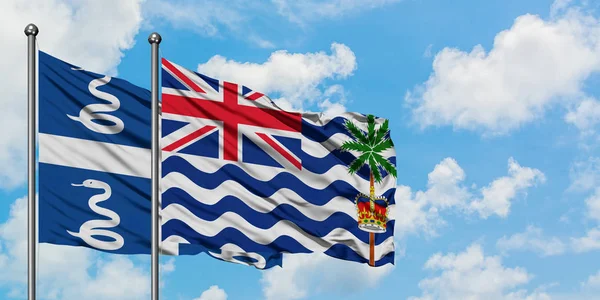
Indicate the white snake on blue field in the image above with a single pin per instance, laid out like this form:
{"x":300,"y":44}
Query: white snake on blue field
{"x":92,"y":228}
{"x":100,"y":111}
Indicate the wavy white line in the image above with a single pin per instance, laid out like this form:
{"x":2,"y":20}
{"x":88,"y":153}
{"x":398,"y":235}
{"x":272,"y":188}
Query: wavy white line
{"x":170,"y":246}
{"x":322,"y":149}
{"x":230,"y":251}
{"x":261,"y":204}
{"x":267,"y":236}
{"x":267,"y":173}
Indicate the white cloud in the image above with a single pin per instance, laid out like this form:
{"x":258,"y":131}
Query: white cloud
{"x":446,"y":191}
{"x":559,"y":6}
{"x":331,"y":103}
{"x":585,"y":175}
{"x":213,"y":293}
{"x":76,"y":31}
{"x":588,"y":290}
{"x":593,"y":205}
{"x":66,"y":272}
{"x":593,"y":282}
{"x":427,"y":53}
{"x":498,"y":195}
{"x":204,"y":17}
{"x":524,"y":295}
{"x":296,"y":77}
{"x":444,"y":188}
{"x":472,"y":275}
{"x":335,"y":99}
{"x":118,"y":278}
{"x":532,"y":66}
{"x":420,"y":212}
{"x":332,"y":108}
{"x":167,"y":267}
{"x":415,"y":214}
{"x":587,"y":243}
{"x":586,"y":116}
{"x":164,"y":269}
{"x":309,"y":10}
{"x":216,"y":19}
{"x":308,"y":274}
{"x":532,"y":239}
{"x":261,"y":42}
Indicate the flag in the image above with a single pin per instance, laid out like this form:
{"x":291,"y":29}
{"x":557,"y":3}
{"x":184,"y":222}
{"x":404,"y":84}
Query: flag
{"x":242,"y":175}
{"x":94,"y":160}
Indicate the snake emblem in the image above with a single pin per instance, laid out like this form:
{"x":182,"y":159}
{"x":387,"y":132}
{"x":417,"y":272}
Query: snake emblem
{"x":91,"y":228}
{"x":99,"y":111}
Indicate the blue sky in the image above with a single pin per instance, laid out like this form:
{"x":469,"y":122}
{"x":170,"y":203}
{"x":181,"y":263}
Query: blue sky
{"x":493,"y":112}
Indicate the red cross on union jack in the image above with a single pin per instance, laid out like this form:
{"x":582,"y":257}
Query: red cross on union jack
{"x":230,"y":106}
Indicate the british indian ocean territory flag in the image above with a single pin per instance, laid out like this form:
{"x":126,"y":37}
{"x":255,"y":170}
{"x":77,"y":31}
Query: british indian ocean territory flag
{"x":241,"y":175}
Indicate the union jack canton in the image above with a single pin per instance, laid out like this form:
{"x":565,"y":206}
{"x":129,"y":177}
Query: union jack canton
{"x":232,"y":110}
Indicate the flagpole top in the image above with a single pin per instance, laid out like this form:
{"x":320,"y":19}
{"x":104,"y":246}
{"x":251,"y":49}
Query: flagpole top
{"x":154,"y":38}
{"x":31,"y":29}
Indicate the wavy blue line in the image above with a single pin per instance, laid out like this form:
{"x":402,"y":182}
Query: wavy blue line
{"x":323,"y":164}
{"x":255,"y":186}
{"x":339,"y":251}
{"x":323,"y":133}
{"x":283,"y":244}
{"x":232,"y":235}
{"x":344,"y":252}
{"x":334,"y":158}
{"x":272,"y":258}
{"x":258,"y":187}
{"x":182,"y":194}
{"x":266,"y":220}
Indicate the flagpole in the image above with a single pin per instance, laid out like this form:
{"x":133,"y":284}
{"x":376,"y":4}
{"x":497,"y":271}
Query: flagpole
{"x":31,"y":32}
{"x":154,"y":39}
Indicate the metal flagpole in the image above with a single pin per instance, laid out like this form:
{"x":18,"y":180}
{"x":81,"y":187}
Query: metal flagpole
{"x":154,"y":39}
{"x":31,"y":32}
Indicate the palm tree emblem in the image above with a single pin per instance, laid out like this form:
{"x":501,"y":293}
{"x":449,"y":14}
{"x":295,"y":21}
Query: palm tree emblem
{"x":372,"y":211}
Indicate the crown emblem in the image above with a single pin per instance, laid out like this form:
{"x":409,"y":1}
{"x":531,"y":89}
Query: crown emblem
{"x":372,"y":213}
